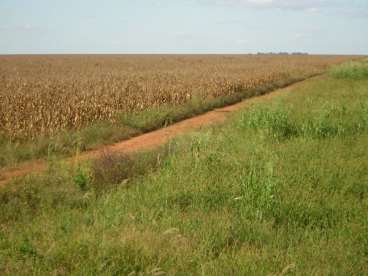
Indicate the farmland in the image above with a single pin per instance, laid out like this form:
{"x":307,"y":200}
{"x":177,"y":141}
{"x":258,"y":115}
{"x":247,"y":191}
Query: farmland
{"x":279,"y":189}
{"x":42,"y":95}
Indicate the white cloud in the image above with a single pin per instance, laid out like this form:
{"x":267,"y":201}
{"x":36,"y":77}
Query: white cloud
{"x":310,"y":5}
{"x":25,"y":29}
{"x":27,"y":26}
{"x":299,"y":36}
{"x":350,"y":8}
{"x":242,"y":41}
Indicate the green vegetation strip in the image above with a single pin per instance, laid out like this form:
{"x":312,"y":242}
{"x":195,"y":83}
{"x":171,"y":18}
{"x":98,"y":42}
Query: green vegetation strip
{"x":282,"y":189}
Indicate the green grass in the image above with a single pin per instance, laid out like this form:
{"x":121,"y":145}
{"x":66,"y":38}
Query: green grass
{"x":353,"y":70}
{"x":68,"y":142}
{"x":282,"y":188}
{"x":65,"y":143}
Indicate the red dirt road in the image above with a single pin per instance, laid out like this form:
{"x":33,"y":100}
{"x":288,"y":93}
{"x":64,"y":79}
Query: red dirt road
{"x":146,"y":141}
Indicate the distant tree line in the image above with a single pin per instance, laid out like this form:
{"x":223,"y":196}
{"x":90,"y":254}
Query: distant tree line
{"x":283,"y":53}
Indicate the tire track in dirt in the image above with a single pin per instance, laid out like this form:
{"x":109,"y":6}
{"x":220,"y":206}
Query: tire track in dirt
{"x":148,"y":140}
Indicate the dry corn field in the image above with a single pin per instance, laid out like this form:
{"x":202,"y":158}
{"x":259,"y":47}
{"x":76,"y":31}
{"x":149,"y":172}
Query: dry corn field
{"x":44,"y":94}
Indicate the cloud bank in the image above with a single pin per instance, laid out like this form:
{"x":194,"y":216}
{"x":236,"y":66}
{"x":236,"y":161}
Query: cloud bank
{"x":282,"y":4}
{"x":350,"y":8}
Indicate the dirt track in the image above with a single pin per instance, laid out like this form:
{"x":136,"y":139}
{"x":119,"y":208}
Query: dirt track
{"x":146,"y":141}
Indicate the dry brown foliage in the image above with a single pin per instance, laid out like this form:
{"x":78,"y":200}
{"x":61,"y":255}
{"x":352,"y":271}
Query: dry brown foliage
{"x":44,"y":94}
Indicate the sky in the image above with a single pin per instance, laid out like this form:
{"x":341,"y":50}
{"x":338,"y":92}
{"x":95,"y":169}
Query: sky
{"x":183,"y":26}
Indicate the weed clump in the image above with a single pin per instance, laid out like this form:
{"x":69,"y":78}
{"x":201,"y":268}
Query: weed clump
{"x":276,"y":123}
{"x":81,"y":179}
{"x":111,"y":169}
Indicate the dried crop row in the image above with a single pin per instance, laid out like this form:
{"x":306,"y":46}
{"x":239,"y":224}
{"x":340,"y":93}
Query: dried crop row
{"x":40,"y":95}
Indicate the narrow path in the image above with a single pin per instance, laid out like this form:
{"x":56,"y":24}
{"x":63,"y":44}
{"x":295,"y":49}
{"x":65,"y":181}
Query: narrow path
{"x":146,"y":141}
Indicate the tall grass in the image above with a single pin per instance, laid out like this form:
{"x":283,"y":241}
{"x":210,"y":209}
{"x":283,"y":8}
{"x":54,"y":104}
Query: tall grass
{"x":354,"y":70}
{"x":331,"y":121}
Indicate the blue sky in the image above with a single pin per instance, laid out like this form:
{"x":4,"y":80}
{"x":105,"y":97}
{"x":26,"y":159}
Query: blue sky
{"x":186,"y":26}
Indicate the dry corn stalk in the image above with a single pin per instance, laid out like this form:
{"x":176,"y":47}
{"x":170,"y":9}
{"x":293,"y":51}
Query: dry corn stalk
{"x":44,"y":94}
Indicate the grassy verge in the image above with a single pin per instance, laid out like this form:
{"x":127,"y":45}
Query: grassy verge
{"x":352,"y":70}
{"x":281,"y":189}
{"x":68,"y":142}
